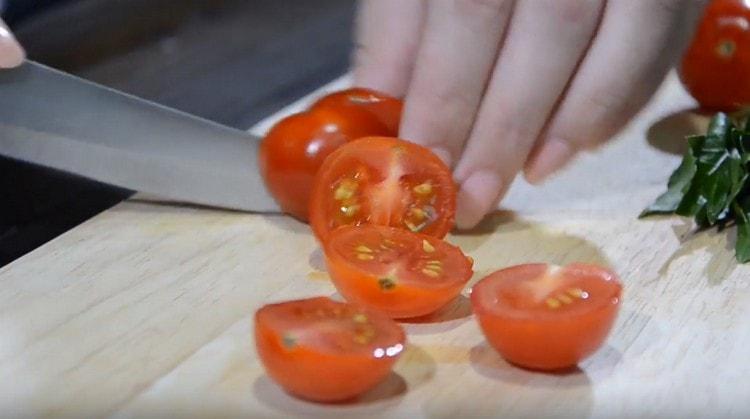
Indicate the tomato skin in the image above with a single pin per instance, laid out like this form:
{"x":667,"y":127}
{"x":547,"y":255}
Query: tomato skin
{"x":323,"y":376}
{"x":716,"y":67}
{"x":387,"y":110}
{"x":405,"y":299}
{"x":546,"y":341}
{"x":294,"y":149}
{"x":387,"y":172}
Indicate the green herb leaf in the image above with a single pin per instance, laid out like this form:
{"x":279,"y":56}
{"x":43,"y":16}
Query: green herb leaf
{"x":678,"y":184}
{"x":742,"y":247}
{"x":712,"y":184}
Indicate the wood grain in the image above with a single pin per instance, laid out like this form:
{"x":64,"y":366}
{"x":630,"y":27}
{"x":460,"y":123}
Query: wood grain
{"x":146,"y":310}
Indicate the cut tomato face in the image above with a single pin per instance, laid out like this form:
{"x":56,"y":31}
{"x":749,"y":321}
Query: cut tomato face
{"x":322,"y":350}
{"x":399,"y":273}
{"x":547,"y":317}
{"x":358,"y":100}
{"x":384,"y":181}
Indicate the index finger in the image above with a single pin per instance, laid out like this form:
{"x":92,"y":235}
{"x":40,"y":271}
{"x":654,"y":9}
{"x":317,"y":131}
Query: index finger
{"x":11,"y":53}
{"x":387,"y":38}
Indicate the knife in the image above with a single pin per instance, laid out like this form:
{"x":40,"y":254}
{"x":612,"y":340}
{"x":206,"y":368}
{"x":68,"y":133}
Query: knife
{"x":54,"y":119}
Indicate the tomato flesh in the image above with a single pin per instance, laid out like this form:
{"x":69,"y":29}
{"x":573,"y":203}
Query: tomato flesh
{"x":322,"y":350}
{"x":545,"y":317}
{"x":391,"y":270}
{"x":293,"y":150}
{"x":716,"y":67}
{"x":383,"y":181}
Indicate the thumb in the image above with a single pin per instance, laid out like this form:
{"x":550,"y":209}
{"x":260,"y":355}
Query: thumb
{"x":11,"y":53}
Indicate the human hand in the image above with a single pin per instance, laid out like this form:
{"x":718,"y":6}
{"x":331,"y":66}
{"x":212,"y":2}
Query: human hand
{"x":496,"y":87}
{"x":11,"y":53}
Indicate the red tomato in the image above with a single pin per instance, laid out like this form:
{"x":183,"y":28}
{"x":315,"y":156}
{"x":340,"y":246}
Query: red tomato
{"x":716,"y":67}
{"x":323,"y":350}
{"x":383,"y":181}
{"x":546,"y":317}
{"x":400,"y":273}
{"x":384,"y":108}
{"x":296,"y":146}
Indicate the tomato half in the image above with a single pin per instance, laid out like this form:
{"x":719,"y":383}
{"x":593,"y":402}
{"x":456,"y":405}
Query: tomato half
{"x":322,"y":350}
{"x":400,"y":273}
{"x":546,"y":317}
{"x":716,"y":67}
{"x":294,"y":149}
{"x":383,"y":181}
{"x":386,"y":109}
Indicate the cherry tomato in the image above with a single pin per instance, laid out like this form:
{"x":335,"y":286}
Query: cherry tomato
{"x":383,"y":181}
{"x":546,"y":317}
{"x":326,"y":351}
{"x":294,"y":149}
{"x":386,"y":109}
{"x":400,"y":273}
{"x":716,"y":67}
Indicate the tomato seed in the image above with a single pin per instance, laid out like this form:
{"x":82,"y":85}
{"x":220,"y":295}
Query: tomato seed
{"x":360,"y":318}
{"x":363,"y":249}
{"x":386,"y":283}
{"x":423,"y":189}
{"x":430,"y":273}
{"x":365,"y":256}
{"x":427,"y":247}
{"x":564,"y":298}
{"x":552,"y":303}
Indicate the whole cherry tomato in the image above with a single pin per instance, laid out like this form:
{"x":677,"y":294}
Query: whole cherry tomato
{"x":385,"y":181}
{"x":547,"y":317}
{"x":716,"y":67}
{"x":395,"y":271}
{"x":326,"y":351}
{"x":294,"y":148}
{"x":385,"y":109}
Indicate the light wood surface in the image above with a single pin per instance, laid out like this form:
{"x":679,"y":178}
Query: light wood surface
{"x":145,"y":310}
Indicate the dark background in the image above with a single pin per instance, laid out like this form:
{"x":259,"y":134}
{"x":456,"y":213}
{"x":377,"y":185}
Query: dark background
{"x":231,"y":61}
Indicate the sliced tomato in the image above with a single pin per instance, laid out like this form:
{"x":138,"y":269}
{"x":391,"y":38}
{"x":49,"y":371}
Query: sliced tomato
{"x":383,"y":181}
{"x":294,"y":149}
{"x":547,"y":317}
{"x":322,"y":350}
{"x":359,"y":100}
{"x":400,"y":273}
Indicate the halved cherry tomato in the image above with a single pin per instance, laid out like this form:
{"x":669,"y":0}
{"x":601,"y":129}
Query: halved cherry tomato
{"x":294,"y":149}
{"x":322,"y":350}
{"x":716,"y":67}
{"x":547,"y":317}
{"x":383,"y":181}
{"x":386,"y":109}
{"x":400,"y":273}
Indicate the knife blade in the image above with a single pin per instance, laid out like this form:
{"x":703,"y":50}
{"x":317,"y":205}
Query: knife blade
{"x":57,"y":120}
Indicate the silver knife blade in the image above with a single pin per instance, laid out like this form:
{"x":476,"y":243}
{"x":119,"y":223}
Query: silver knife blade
{"x":57,"y":120}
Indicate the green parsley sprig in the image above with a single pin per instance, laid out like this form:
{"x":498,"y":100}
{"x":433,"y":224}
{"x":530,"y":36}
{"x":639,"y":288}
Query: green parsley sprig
{"x":711,"y":184}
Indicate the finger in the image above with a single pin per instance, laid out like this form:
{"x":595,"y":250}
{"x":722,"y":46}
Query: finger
{"x":455,"y":58}
{"x":11,"y":53}
{"x":635,"y":48}
{"x":387,"y":37}
{"x":545,"y":43}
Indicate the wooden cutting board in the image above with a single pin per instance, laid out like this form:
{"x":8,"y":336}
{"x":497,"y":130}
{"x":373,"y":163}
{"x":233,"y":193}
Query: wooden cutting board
{"x":146,"y":309}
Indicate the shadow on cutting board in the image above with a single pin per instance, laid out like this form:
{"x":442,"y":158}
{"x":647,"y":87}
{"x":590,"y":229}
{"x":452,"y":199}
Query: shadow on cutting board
{"x":504,"y":239}
{"x":668,"y":133}
{"x":718,"y":244}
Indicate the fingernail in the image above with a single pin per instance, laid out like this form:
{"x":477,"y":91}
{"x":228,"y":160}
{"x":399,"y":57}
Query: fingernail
{"x":552,"y":156}
{"x":11,"y":53}
{"x":477,"y":197}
